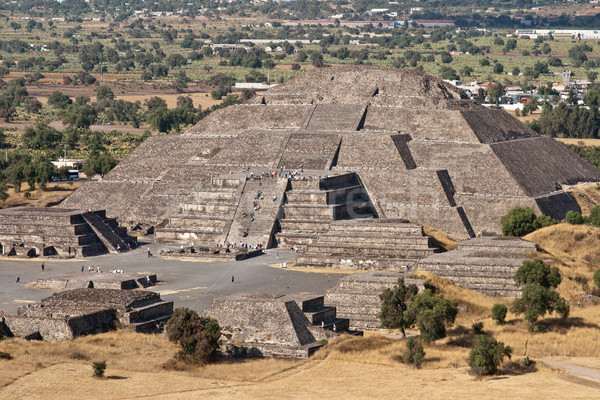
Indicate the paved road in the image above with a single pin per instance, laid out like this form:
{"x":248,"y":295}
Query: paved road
{"x":575,"y":369}
{"x":188,"y":284}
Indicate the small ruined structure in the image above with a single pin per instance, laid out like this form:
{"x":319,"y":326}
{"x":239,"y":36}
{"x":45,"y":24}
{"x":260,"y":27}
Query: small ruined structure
{"x":356,"y":296}
{"x":257,"y":325}
{"x":347,"y":143}
{"x":33,"y":231}
{"x":485,"y":264}
{"x":72,"y":313}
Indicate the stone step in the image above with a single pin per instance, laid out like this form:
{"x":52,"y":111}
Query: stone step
{"x":149,"y":311}
{"x":154,"y":325}
{"x":341,"y":324}
{"x":313,"y":303}
{"x":368,"y":251}
{"x":324,"y":314}
{"x":383,"y":237}
{"x":304,"y":225}
{"x":369,"y":227}
{"x":322,"y":261}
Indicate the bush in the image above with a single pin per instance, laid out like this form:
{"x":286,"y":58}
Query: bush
{"x":414,"y":353}
{"x":99,"y":368}
{"x":477,"y":328}
{"x":574,"y":218}
{"x":597,"y":278}
{"x":594,"y":217}
{"x":518,"y":222}
{"x":198,"y":336}
{"x":499,"y":313}
{"x":522,"y":220}
{"x":487,"y":355}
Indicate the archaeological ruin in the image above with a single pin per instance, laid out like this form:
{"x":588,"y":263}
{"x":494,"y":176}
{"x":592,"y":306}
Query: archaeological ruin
{"x":332,"y":162}
{"x":83,"y":311}
{"x":32,"y":231}
{"x":266,"y":324}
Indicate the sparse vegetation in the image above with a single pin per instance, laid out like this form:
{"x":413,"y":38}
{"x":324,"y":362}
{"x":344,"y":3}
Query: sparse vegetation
{"x":414,"y":353}
{"x":538,"y":296}
{"x":197,"y":336}
{"x":487,"y":355}
{"x":521,"y":221}
{"x":403,"y":307}
{"x":99,"y":367}
{"x":499,"y":313}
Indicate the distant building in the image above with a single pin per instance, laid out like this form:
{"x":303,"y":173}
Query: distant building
{"x":434,"y":23}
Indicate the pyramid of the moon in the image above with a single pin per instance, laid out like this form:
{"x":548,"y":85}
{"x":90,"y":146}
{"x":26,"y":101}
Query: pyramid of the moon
{"x":390,"y":145}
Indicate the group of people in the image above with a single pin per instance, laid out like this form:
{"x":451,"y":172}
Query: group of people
{"x":97,"y":269}
{"x":241,"y":245}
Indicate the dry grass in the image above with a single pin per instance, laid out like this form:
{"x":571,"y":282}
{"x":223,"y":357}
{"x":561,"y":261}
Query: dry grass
{"x":54,"y":193}
{"x":574,"y":249}
{"x":441,"y":239}
{"x":585,"y":142}
{"x":587,"y":196}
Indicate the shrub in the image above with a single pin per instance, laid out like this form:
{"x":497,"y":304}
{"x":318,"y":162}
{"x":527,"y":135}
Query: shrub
{"x":522,"y":220}
{"x":499,"y":313}
{"x":99,"y":368}
{"x":594,"y":217}
{"x":518,"y":222}
{"x":198,"y":336}
{"x":487,"y":355}
{"x":477,"y":328}
{"x":573,"y":217}
{"x":597,"y":278}
{"x":414,"y":353}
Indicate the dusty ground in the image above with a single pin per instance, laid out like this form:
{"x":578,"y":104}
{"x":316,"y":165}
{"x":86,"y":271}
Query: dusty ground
{"x":42,"y":370}
{"x":54,"y":193}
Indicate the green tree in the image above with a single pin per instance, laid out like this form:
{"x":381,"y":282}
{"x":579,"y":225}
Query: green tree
{"x":518,"y":222}
{"x":538,"y":295}
{"x":430,"y":314}
{"x":316,"y":59}
{"x":79,"y":116}
{"x":59,"y":100}
{"x":498,"y":68}
{"x":574,"y":218}
{"x":499,"y":313}
{"x":154,"y":103}
{"x":487,"y":355}
{"x":495,"y":91}
{"x":197,"y":336}
{"x":394,"y":304}
{"x":535,"y":271}
{"x":41,"y":137}
{"x":99,"y":163}
{"x":103,"y":92}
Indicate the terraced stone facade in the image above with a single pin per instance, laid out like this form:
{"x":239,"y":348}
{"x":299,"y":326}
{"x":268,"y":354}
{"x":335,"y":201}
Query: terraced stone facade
{"x":419,"y":149}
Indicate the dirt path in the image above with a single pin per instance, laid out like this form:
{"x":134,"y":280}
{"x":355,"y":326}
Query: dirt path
{"x":574,"y":369}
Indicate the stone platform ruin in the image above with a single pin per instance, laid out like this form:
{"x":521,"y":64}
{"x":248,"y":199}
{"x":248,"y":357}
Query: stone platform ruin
{"x":263,"y":324}
{"x":485,"y":264}
{"x":364,"y":143}
{"x":59,"y":232}
{"x":72,"y":313}
{"x":356,"y":296}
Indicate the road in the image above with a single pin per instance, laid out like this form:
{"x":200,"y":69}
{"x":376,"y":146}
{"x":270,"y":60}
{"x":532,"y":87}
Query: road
{"x":188,"y":283}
